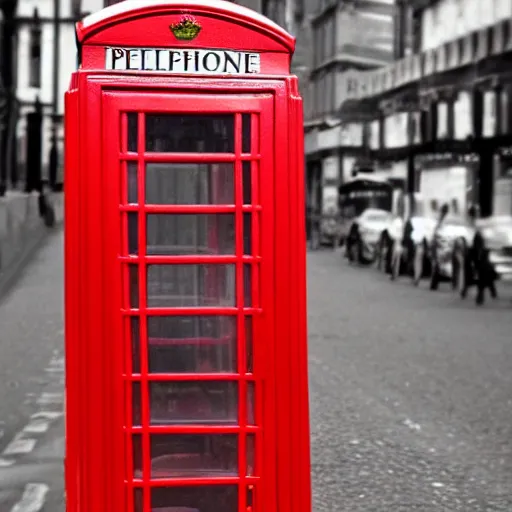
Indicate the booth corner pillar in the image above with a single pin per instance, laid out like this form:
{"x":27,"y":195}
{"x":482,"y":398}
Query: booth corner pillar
{"x":186,"y":335}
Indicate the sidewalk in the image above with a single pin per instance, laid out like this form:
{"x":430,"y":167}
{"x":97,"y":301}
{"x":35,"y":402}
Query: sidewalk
{"x":32,"y":386}
{"x":22,"y":232}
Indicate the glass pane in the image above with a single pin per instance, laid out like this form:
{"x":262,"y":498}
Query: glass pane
{"x":192,"y":455}
{"x":255,"y":142}
{"x":133,"y":272}
{"x":247,"y":233}
{"x":212,"y":233}
{"x":138,"y":502}
{"x":246,"y":182}
{"x":133,"y":233}
{"x":192,"y":344}
{"x":250,"y":403}
{"x":135,"y":336}
{"x":191,"y":285}
{"x":249,"y":344}
{"x":136,"y":405}
{"x":133,"y":131}
{"x":247,"y":285}
{"x":204,"y":498}
{"x":137,"y":455}
{"x":186,"y":133}
{"x":250,"y":447}
{"x":193,"y":402}
{"x":132,"y":183}
{"x":250,"y":496}
{"x":246,"y":133}
{"x":185,"y":183}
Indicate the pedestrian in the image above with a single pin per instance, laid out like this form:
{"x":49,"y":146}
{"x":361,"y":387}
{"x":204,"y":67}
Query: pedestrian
{"x":445,"y":209}
{"x":483,"y":270}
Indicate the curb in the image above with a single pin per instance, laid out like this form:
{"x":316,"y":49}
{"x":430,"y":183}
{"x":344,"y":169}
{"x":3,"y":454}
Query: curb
{"x":10,"y":275}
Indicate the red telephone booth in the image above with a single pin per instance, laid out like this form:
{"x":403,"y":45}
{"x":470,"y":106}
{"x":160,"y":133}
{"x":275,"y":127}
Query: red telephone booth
{"x":185,"y":264}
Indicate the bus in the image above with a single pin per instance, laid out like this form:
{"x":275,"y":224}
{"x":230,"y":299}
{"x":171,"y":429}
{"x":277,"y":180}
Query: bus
{"x":361,"y":193}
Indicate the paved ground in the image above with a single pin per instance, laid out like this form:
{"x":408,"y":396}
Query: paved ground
{"x":31,"y":387}
{"x":411,"y":399}
{"x":410,"y":393}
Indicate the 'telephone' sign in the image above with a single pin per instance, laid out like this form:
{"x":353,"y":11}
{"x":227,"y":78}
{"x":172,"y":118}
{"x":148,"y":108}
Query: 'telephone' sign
{"x":169,"y":60}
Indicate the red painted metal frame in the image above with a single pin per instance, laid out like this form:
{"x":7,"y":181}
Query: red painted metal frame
{"x":74,"y":459}
{"x":146,"y":24}
{"x":100,"y":473}
{"x":242,"y":23}
{"x":95,"y":361}
{"x":153,"y":103}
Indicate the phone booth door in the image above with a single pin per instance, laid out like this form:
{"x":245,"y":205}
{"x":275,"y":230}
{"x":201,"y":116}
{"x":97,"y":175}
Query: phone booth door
{"x":184,"y":175}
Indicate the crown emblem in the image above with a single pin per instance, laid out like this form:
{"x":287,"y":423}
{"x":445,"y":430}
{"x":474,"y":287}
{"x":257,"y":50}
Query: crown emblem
{"x":186,"y":29}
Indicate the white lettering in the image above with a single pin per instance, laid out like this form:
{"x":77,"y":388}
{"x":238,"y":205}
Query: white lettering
{"x":173,"y":60}
{"x":253,"y":64}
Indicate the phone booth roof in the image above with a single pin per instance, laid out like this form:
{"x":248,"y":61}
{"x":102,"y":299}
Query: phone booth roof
{"x":220,"y":25}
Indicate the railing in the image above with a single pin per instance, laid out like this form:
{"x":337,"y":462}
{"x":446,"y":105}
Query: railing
{"x":8,"y":119}
{"x":25,"y":175}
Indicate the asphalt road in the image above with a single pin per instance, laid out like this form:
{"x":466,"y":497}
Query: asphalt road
{"x":32,"y":386}
{"x":411,"y":403}
{"x":411,"y":394}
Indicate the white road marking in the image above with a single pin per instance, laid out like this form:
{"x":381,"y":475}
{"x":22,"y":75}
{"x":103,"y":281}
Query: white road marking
{"x":40,"y":422}
{"x":57,"y":363}
{"x":20,"y":445}
{"x":412,"y":425}
{"x":55,"y":367}
{"x":33,"y":498}
{"x":48,"y":415}
{"x":50,"y":398}
{"x":38,"y":426}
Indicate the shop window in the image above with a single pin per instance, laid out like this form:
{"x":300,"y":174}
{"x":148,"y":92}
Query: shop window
{"x":322,"y":43}
{"x":328,"y":105}
{"x":333,"y":90}
{"x":35,"y":52}
{"x":300,"y":10}
{"x":318,"y":96}
{"x":504,"y":112}
{"x":76,"y":8}
{"x":317,"y":45}
{"x":329,"y":39}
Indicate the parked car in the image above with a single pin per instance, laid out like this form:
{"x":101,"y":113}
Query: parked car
{"x":324,"y":230}
{"x":387,"y":238}
{"x":410,"y":255}
{"x":363,"y":235}
{"x":356,"y":196}
{"x":406,"y":207}
{"x":485,"y":256}
{"x":451,"y":228}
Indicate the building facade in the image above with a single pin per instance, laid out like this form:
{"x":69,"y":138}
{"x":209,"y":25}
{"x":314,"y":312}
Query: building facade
{"x":350,"y":39}
{"x":45,"y":57}
{"x":37,"y":40}
{"x":38,"y":55}
{"x":8,"y":104}
{"x":442,"y":113}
